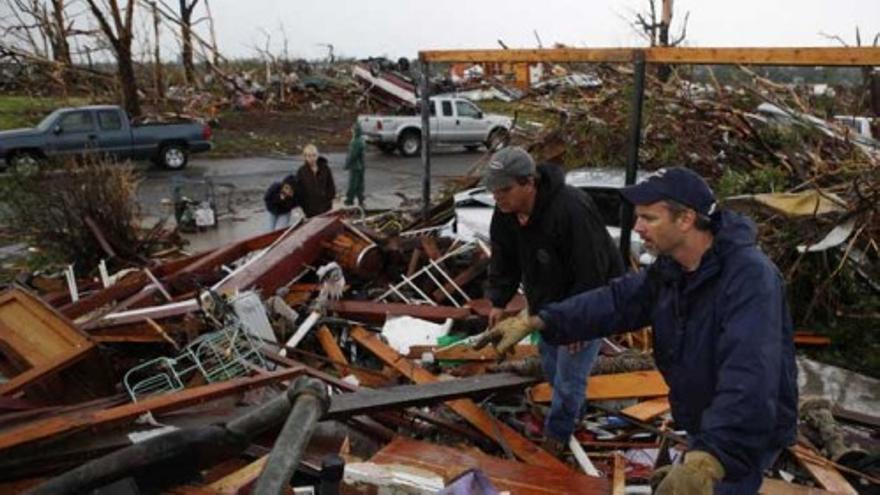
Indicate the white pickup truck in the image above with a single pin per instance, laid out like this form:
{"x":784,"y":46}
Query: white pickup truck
{"x":453,"y":121}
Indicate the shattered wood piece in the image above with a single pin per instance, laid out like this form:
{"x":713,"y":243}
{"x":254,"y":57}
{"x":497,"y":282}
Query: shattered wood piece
{"x":51,"y":427}
{"x":465,"y":353}
{"x":414,"y":262}
{"x":243,"y":479}
{"x":36,"y":340}
{"x":806,"y":338}
{"x":648,"y":410}
{"x":99,"y":236}
{"x":376,"y":312}
{"x":618,"y":483}
{"x":483,"y":421}
{"x":822,"y":470}
{"x":429,"y":244}
{"x":332,"y":350}
{"x":512,"y":476}
{"x":396,"y":478}
{"x":631,"y":385}
{"x":855,"y":417}
{"x":772,"y":486}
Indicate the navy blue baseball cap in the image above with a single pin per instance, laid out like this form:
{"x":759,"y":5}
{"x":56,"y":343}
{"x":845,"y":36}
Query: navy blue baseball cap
{"x":677,"y":184}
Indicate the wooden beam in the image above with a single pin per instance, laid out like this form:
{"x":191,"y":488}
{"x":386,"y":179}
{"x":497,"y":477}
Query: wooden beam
{"x":822,"y":470}
{"x":233,"y":483}
{"x":647,"y":410}
{"x":635,"y":384}
{"x":466,"y":408}
{"x":467,"y":353}
{"x":62,"y":425}
{"x":807,"y":56}
{"x":373,"y":312}
{"x":618,"y":480}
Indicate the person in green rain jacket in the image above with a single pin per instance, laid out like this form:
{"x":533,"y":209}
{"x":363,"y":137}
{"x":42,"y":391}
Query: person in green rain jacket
{"x":354,"y":163}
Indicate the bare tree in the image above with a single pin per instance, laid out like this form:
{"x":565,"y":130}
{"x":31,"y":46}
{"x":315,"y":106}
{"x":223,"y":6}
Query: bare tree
{"x":657,"y":32}
{"x":158,"y":76}
{"x":186,"y":24}
{"x":119,"y":35}
{"x":870,"y":76}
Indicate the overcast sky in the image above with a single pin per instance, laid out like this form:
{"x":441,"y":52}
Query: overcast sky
{"x":397,"y":28}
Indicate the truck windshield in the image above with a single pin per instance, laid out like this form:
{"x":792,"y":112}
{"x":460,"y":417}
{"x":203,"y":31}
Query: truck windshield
{"x":47,"y":122}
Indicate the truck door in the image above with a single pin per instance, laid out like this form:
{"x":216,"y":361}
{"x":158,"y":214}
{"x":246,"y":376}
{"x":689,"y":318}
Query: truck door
{"x":449,"y":131}
{"x":473,"y":127}
{"x":74,"y":133}
{"x":114,"y":137}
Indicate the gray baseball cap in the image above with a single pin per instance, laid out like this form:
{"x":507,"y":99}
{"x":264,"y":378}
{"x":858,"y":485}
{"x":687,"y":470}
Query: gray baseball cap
{"x":506,"y":165}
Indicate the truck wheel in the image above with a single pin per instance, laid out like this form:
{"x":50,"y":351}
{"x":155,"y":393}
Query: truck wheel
{"x":410,"y":143}
{"x":497,"y":139}
{"x":24,"y":162}
{"x":173,"y":156}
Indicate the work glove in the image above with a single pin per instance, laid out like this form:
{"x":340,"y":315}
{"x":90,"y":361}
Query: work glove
{"x":695,"y":476}
{"x":506,"y":334}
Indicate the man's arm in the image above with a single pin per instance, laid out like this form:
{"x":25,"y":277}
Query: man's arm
{"x":621,"y":306}
{"x":749,"y":359}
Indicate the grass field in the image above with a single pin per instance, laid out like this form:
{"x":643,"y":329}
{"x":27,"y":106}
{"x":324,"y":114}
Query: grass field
{"x":26,"y":111}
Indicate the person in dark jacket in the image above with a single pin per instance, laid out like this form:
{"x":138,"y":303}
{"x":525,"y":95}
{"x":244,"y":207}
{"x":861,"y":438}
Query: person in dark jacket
{"x":315,"y":181}
{"x":280,"y":200}
{"x":723,"y":336}
{"x":550,"y":237}
{"x":354,"y":163}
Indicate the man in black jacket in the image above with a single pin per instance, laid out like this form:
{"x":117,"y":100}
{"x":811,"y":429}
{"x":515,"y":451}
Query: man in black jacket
{"x":550,"y":237}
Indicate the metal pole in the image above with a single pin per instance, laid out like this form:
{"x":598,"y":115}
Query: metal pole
{"x":632,"y":151}
{"x":310,"y":402}
{"x":426,"y":139}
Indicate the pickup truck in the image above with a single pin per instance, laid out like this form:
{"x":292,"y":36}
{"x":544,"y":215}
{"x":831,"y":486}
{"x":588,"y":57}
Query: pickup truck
{"x":453,"y":121}
{"x":103,"y":129}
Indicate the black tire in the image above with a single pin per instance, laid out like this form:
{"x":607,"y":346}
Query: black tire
{"x":497,"y":139}
{"x":173,"y":156}
{"x":410,"y":143}
{"x":24,"y":161}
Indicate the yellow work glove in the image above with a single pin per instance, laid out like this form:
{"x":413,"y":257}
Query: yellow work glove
{"x":506,"y":334}
{"x":695,"y":476}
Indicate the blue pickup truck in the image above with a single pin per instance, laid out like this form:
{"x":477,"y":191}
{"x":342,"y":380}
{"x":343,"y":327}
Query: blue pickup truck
{"x":103,"y":129}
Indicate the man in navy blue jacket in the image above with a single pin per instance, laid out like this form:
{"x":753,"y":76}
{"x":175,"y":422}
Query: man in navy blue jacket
{"x":722,"y":332}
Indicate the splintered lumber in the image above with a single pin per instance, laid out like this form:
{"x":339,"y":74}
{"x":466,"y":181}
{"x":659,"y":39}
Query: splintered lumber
{"x":467,"y":353}
{"x":806,"y":338}
{"x":332,"y":350}
{"x":375,"y":312}
{"x":59,"y":425}
{"x":236,"y":481}
{"x":778,"y":487}
{"x":466,"y":408}
{"x":822,"y":470}
{"x":647,"y":410}
{"x":365,"y":401}
{"x":506,"y":475}
{"x":36,"y":339}
{"x":618,"y":483}
{"x":630,"y":385}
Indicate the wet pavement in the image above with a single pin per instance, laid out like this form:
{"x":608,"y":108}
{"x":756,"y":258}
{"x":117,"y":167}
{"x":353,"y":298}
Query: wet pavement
{"x":239,"y":184}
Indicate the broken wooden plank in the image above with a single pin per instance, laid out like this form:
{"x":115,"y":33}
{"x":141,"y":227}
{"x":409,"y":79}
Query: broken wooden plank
{"x":806,"y":338}
{"x":512,"y":476}
{"x":483,"y":421}
{"x":822,"y":470}
{"x":332,"y":350}
{"x":56,"y":426}
{"x":244,"y":478}
{"x":647,"y":410}
{"x":618,"y":478}
{"x":36,"y":339}
{"x":365,"y":401}
{"x":462,"y":278}
{"x":467,"y":353}
{"x":636,"y":384}
{"x":374,"y":312}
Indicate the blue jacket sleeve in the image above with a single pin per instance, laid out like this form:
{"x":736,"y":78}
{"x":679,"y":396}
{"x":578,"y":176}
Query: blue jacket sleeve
{"x":742,"y":415}
{"x":621,"y":306}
